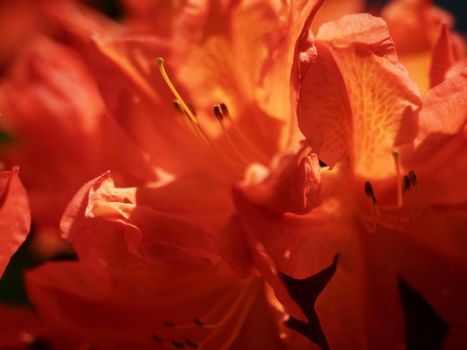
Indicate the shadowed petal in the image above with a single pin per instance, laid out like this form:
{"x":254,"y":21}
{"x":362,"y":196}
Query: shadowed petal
{"x":359,"y":307}
{"x":15,"y":217}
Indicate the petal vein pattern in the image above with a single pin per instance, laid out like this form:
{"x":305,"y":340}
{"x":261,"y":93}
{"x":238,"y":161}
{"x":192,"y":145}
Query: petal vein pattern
{"x":356,"y":101}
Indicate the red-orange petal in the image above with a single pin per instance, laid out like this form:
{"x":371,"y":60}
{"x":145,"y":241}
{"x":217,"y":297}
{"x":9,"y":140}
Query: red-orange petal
{"x":292,"y":185}
{"x":445,"y":53}
{"x":360,"y":308}
{"x":15,"y":217}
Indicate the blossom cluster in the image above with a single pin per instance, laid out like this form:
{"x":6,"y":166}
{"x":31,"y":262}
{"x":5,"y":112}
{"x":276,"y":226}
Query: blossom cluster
{"x":233,"y":174}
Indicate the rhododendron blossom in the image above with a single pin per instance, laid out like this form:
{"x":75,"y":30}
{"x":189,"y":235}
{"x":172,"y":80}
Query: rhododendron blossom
{"x":239,"y":175}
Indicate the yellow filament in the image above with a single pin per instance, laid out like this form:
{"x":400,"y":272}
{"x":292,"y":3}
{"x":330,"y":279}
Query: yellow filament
{"x":258,"y":152}
{"x":232,"y":142}
{"x":246,"y":300}
{"x":181,"y":102}
{"x":395,"y":154}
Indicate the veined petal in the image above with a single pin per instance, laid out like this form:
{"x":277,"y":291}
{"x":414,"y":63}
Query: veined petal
{"x":15,"y":217}
{"x":356,"y":102}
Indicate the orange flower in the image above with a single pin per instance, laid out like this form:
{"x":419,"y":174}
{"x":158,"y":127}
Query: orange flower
{"x":148,"y":254}
{"x":387,"y":222}
{"x":340,"y":245}
{"x":148,"y":276}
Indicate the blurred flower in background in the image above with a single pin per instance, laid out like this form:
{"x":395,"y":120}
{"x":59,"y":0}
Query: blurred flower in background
{"x":232,"y":174}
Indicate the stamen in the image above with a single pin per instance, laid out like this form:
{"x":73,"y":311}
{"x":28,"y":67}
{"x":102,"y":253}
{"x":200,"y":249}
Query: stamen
{"x":246,"y":305}
{"x":414,"y":182}
{"x":222,"y":114}
{"x":412,"y":177}
{"x":183,"y":105}
{"x":370,"y":193}
{"x":192,"y":109}
{"x":178,"y":107}
{"x":188,"y":110}
{"x":224,"y":109}
{"x":218,"y":112}
{"x":395,"y":155}
{"x":406,"y":183}
{"x":220,"y":117}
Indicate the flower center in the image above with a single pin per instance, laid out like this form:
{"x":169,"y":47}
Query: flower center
{"x":239,"y":148}
{"x":408,"y":200}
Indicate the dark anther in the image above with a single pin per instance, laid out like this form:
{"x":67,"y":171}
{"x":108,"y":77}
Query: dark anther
{"x":177,"y":106}
{"x":157,"y":339}
{"x":198,"y":322}
{"x":406,"y":183}
{"x":218,"y":112}
{"x":412,"y":177}
{"x":191,"y":343}
{"x":178,"y":344}
{"x":369,"y":192}
{"x":169,"y":324}
{"x":224,"y":109}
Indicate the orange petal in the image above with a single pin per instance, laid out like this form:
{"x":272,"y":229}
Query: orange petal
{"x":344,"y":110}
{"x":414,"y":27}
{"x":54,"y":109}
{"x":178,"y":302}
{"x":445,"y":106}
{"x":156,"y":236}
{"x":430,"y":256}
{"x":414,"y":24}
{"x":332,"y":10}
{"x":15,"y":217}
{"x":360,"y":298}
{"x":441,"y":154}
{"x":444,"y":55}
{"x":241,"y":66}
{"x":298,"y":246}
{"x":293,"y":184}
